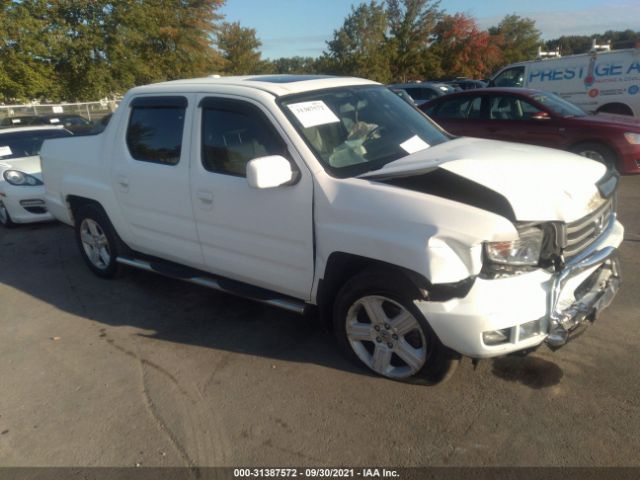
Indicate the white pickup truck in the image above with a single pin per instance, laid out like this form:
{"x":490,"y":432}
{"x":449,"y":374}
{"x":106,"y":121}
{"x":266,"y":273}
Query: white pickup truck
{"x":303,"y":191}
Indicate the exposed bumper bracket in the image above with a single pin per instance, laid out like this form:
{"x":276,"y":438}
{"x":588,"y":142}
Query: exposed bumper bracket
{"x":596,"y":294}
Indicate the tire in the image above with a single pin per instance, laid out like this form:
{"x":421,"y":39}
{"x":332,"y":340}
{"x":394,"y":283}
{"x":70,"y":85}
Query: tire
{"x":97,"y":241}
{"x":5,"y":218}
{"x":596,"y":151}
{"x":378,"y":325}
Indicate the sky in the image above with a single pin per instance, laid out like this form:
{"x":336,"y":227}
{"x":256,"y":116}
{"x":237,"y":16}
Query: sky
{"x":288,"y":28}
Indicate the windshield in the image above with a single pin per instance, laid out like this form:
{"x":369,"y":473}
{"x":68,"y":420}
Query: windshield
{"x":26,"y":144}
{"x":557,"y":105}
{"x":353,"y":130}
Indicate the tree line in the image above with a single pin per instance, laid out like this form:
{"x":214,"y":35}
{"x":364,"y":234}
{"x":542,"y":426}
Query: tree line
{"x":70,"y":50}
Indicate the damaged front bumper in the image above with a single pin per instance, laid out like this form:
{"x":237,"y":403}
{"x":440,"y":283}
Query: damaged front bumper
{"x":523,"y":311}
{"x":593,"y":294}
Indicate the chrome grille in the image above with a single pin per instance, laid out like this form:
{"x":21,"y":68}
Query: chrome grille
{"x":583,"y":232}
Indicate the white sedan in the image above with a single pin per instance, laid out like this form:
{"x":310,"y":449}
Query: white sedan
{"x":21,"y":187}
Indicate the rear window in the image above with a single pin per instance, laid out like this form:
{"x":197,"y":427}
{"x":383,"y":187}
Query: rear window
{"x":26,"y":144}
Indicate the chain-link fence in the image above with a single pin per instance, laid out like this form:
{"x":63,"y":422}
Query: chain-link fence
{"x":90,"y":110}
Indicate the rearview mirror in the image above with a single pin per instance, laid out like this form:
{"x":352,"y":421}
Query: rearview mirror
{"x":541,"y":116}
{"x":269,"y":172}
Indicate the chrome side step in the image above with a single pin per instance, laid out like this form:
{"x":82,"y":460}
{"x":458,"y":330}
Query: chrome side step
{"x":223,"y":285}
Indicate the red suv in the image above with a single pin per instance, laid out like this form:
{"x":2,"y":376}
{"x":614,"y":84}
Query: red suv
{"x":539,"y":118}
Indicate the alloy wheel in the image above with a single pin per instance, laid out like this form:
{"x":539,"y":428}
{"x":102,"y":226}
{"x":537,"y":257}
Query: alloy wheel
{"x":386,"y":336}
{"x":95,"y":243}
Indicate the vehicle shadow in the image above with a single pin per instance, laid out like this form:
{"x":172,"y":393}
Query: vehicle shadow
{"x":530,"y":371}
{"x":42,"y":261}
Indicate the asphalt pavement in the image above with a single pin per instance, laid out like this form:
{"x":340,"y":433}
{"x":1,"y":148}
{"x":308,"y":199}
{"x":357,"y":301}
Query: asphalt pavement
{"x":147,"y":371}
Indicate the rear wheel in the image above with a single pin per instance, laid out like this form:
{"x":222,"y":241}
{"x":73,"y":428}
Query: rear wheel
{"x":378,"y":325}
{"x":5,"y":218}
{"x":617,"y":108}
{"x":596,"y":151}
{"x":97,"y":241}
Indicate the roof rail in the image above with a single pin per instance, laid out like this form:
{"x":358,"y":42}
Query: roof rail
{"x":548,"y":54}
{"x":606,"y":47}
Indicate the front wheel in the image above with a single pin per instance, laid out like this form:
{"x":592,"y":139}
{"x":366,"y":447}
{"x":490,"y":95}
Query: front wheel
{"x":596,"y":151}
{"x":97,"y":241}
{"x":377,"y":324}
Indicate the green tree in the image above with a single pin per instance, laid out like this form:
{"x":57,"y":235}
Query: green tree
{"x":162,"y":40}
{"x":569,"y":44}
{"x":25,"y":70}
{"x":411,"y":30}
{"x":240,"y":49}
{"x":72,"y":50}
{"x":360,"y":46}
{"x":294,"y":65}
{"x":518,"y":37}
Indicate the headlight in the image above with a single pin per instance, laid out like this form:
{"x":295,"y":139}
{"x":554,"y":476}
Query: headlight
{"x":632,"y":138}
{"x":17,"y":178}
{"x":523,"y":251}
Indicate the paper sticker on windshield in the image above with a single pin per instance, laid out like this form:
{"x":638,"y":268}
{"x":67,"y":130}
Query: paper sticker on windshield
{"x":4,"y":151}
{"x":54,"y":120}
{"x":414,"y":144}
{"x":314,"y":113}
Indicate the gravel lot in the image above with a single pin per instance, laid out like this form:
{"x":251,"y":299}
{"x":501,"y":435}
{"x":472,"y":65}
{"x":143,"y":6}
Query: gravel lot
{"x":148,"y":371}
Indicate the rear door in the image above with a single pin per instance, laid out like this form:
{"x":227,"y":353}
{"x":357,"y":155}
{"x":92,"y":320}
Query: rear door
{"x":259,"y":236}
{"x":150,"y":176}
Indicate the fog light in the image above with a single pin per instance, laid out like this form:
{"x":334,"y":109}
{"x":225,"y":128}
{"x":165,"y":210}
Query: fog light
{"x":32,"y":203}
{"x":496,"y":337}
{"x":529,"y":329}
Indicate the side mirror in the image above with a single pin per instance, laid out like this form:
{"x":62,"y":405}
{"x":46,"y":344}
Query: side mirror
{"x":541,"y":116}
{"x":269,"y":172}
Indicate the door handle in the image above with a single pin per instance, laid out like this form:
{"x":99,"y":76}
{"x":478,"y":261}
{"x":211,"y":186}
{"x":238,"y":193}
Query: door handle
{"x":205,"y":197}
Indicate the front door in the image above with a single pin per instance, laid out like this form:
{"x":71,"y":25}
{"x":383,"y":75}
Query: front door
{"x":259,"y":236}
{"x":513,"y":119}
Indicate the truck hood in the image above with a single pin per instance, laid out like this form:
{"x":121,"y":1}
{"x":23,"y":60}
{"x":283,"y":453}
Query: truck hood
{"x":540,"y":184}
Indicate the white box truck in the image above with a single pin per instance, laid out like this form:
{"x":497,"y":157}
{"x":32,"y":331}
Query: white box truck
{"x":599,"y":82}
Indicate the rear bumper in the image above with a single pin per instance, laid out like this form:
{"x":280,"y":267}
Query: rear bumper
{"x":529,"y":308}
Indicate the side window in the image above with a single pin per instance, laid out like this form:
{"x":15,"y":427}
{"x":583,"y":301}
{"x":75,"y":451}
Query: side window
{"x":513,"y":77}
{"x":155,"y":129}
{"x":463,"y":107}
{"x":413,"y":93}
{"x":528,"y":110}
{"x":429,"y":94}
{"x":234,"y":132}
{"x":504,"y":107}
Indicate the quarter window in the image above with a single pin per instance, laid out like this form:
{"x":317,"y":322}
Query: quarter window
{"x":233,"y":133}
{"x":155,"y":131}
